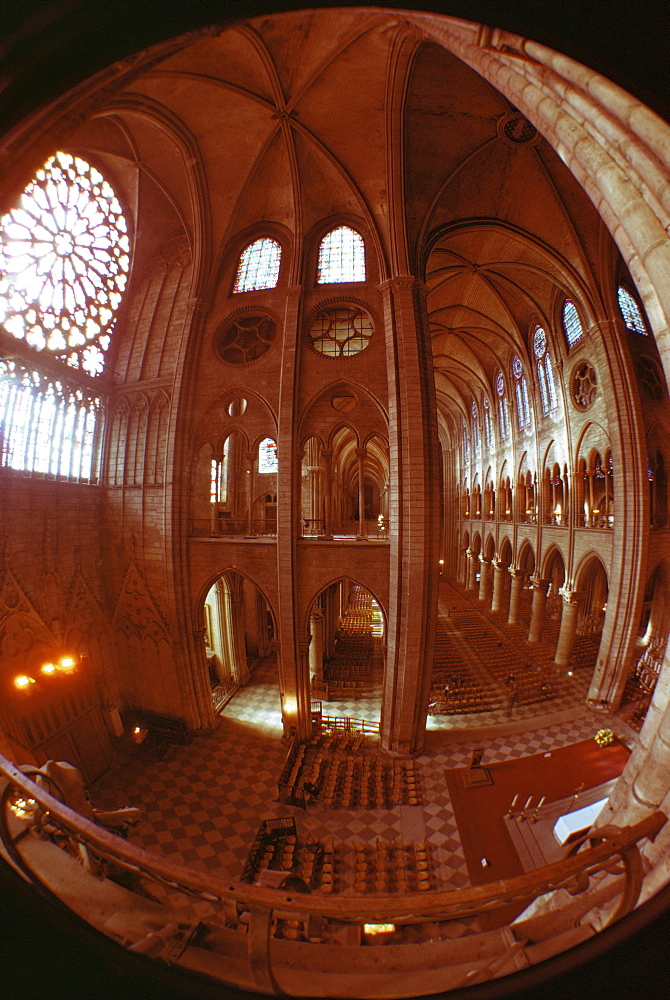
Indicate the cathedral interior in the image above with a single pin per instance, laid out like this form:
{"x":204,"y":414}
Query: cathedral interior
{"x":334,"y":494}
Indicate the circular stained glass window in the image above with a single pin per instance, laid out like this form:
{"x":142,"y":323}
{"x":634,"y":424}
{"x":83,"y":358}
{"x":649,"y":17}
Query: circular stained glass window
{"x":539,"y":342}
{"x":517,"y":367}
{"x":245,"y":338}
{"x":64,"y":260}
{"x":342,"y":332}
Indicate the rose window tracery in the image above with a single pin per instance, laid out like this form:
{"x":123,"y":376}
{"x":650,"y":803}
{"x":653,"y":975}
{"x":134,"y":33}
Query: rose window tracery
{"x":64,"y":260}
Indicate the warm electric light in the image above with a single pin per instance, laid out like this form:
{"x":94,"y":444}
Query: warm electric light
{"x":22,"y":681}
{"x":49,"y":668}
{"x":23,"y":809}
{"x":67,"y":664}
{"x":378,"y":928}
{"x":441,"y":562}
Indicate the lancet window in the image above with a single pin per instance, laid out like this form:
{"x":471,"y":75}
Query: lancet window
{"x":341,"y":257}
{"x":258,"y":266}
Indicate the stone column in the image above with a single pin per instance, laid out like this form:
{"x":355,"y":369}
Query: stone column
{"x":473,"y":560}
{"x":414,"y":516}
{"x":568,"y":631}
{"x":316,"y":646}
{"x":498,"y":585}
{"x":250,"y":457}
{"x":518,"y":576}
{"x":484,"y":579}
{"x":360,"y":455}
{"x":540,"y":588}
{"x":326,"y":456}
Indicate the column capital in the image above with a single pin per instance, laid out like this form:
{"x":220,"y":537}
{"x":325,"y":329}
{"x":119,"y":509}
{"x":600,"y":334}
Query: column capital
{"x":570,"y":597}
{"x":303,"y":647}
{"x":484,"y":560}
{"x":403,"y":281}
{"x":516,"y":573}
{"x":537,"y":583}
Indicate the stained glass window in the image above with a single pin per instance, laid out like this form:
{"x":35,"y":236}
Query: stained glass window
{"x":267,"y":456}
{"x":488,"y":423}
{"x":258,"y":266}
{"x":476,"y":445}
{"x":631,"y":312}
{"x":341,"y":257}
{"x":503,"y":408}
{"x":572,"y":325}
{"x":64,"y":259}
{"x":466,"y":443}
{"x":545,"y":372}
{"x":521,"y":391}
{"x":46,"y":427}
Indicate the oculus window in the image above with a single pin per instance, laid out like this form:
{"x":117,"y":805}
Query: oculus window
{"x":340,"y":333}
{"x":64,"y":260}
{"x":341,"y":257}
{"x":258,"y":266}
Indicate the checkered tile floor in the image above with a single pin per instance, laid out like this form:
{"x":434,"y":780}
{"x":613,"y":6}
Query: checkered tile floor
{"x":202,"y":803}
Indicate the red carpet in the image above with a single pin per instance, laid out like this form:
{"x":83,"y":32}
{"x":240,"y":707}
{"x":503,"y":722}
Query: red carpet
{"x":479,"y":811}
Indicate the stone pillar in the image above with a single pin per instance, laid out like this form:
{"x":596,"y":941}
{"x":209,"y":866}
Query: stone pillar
{"x":294,"y":660}
{"x":518,"y":576}
{"x":472,"y":561}
{"x":484,"y":579}
{"x":250,"y":457}
{"x":326,"y":456}
{"x":316,"y":646}
{"x":360,"y":455}
{"x":414,"y":516}
{"x":498,"y":585}
{"x":568,"y":631}
{"x":540,"y":588}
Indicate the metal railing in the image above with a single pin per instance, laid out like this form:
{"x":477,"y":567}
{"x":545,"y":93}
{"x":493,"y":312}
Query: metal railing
{"x":28,"y":811}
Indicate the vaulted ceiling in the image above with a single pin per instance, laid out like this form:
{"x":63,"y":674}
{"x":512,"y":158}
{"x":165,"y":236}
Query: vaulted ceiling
{"x":293,"y":118}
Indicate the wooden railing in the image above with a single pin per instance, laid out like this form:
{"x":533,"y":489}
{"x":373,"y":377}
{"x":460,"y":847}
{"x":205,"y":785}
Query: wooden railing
{"x":608,"y":850}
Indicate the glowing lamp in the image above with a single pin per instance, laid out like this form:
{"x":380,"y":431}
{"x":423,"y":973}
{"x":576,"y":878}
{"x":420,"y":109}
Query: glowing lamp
{"x":67,"y":664}
{"x":378,"y":928}
{"x":23,"y":682}
{"x":49,"y":668}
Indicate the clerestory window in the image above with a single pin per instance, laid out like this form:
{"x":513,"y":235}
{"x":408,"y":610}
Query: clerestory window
{"x":572,"y":324}
{"x":545,"y":372}
{"x":521,"y":392}
{"x":631,"y":312}
{"x":341,"y":257}
{"x":503,"y":408}
{"x":258,"y":266}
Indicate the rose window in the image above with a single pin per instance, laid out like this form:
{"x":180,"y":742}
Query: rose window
{"x":340,"y":333}
{"x":64,"y":260}
{"x":245,"y":338}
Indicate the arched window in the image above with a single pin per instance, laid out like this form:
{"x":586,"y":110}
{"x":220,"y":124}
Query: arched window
{"x":476,"y":443}
{"x":341,"y":257}
{"x":64,"y":259}
{"x":545,"y":371}
{"x":572,"y":325}
{"x":521,"y":393}
{"x":631,"y":312}
{"x":488,"y":424}
{"x":466,"y":442}
{"x":267,"y":456}
{"x":503,"y":408}
{"x":258,"y":266}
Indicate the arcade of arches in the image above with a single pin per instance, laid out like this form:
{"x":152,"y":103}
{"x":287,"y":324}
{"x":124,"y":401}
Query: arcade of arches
{"x":393,"y":343}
